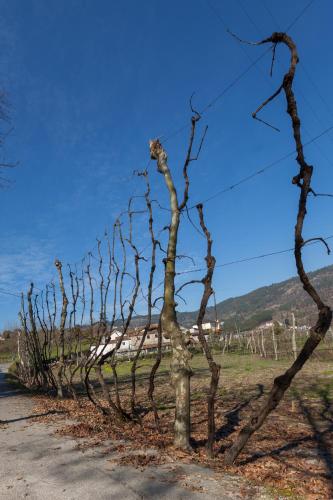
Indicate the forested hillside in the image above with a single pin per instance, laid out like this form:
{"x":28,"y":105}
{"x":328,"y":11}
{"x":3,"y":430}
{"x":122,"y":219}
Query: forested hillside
{"x":275,"y":301}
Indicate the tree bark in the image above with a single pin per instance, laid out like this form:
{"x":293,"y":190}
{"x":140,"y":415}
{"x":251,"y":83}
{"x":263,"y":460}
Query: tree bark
{"x":293,"y":338}
{"x":180,"y":368}
{"x":61,"y":361}
{"x":213,"y":366}
{"x":317,"y":332}
{"x":274,"y":344}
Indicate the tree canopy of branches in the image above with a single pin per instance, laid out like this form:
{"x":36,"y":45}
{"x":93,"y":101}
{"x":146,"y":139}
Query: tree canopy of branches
{"x":303,"y":181}
{"x":73,"y":332}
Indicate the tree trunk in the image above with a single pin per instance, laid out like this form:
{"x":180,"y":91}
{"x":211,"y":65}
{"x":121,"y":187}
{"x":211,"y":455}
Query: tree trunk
{"x":263,"y":343}
{"x":180,"y":369}
{"x":254,"y":343}
{"x":280,"y":386}
{"x":293,"y":338}
{"x":274,"y":344}
{"x":317,"y":333}
{"x":213,"y":366}
{"x":152,"y":374}
{"x":61,"y":361}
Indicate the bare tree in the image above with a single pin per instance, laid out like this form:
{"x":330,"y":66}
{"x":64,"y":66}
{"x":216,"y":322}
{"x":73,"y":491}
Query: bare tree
{"x":180,"y":367}
{"x":303,"y":181}
{"x":274,"y":342}
{"x":208,"y":291}
{"x":293,"y":336}
{"x":152,"y":269}
{"x":213,"y":366}
{"x":63,"y":317}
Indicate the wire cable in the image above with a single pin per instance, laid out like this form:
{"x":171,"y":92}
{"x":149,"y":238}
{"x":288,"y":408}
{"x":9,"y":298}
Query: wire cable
{"x":248,"y":259}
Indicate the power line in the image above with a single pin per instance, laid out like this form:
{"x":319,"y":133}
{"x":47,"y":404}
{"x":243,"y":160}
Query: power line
{"x":311,"y":80}
{"x":210,"y":104}
{"x":220,"y":95}
{"x":233,"y":262}
{"x":262,"y":170}
{"x":7,"y":292}
{"x":307,"y":75}
{"x":248,"y":259}
{"x":215,"y":99}
{"x":224,"y":264}
{"x":251,"y":176}
{"x":293,"y":22}
{"x":216,"y":12}
{"x":259,"y":30}
{"x":297,"y":18}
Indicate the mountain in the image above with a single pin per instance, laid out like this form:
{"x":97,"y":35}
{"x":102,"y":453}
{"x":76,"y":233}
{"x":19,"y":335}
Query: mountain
{"x":263,"y":304}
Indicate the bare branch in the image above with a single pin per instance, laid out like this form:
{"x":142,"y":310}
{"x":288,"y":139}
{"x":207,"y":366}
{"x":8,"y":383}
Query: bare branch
{"x":269,"y":99}
{"x":181,"y":298}
{"x":318,"y":331}
{"x":328,"y":195}
{"x":61,"y":361}
{"x":241,"y":40}
{"x":181,"y":371}
{"x":214,"y":367}
{"x":273,"y":59}
{"x":192,"y":282}
{"x":156,"y":300}
{"x":318,"y":239}
{"x":188,"y":159}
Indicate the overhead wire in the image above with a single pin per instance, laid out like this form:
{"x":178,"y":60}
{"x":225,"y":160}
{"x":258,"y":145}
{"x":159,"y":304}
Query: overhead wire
{"x":211,"y":104}
{"x":223,"y":264}
{"x":248,"y":259}
{"x":262,"y":170}
{"x":245,"y":11}
{"x":7,"y":292}
{"x":224,"y":91}
{"x":307,"y":75}
{"x":298,"y":17}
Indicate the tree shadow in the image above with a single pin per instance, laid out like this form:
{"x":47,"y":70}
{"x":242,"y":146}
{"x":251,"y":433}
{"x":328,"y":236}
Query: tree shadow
{"x":320,"y":421}
{"x":233,"y":416}
{"x":322,"y":444}
{"x":36,"y":415}
{"x":11,"y":386}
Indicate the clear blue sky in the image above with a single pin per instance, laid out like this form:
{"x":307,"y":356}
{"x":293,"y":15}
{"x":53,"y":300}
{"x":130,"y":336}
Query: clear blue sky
{"x":90,"y":82}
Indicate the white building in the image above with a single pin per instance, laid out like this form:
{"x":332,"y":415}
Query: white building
{"x":207,"y":327}
{"x":105,"y":348}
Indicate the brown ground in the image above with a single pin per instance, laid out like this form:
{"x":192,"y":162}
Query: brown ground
{"x":292,"y":453}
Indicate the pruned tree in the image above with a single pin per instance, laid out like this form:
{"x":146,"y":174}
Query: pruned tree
{"x":213,"y":366}
{"x":149,"y":298}
{"x":62,"y":326}
{"x":274,"y":342}
{"x":180,"y":363}
{"x":208,"y":291}
{"x":180,"y":367}
{"x":303,"y":181}
{"x":34,"y":369}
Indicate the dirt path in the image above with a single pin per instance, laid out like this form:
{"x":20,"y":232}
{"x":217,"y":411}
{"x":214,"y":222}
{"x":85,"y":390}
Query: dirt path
{"x":37,"y":464}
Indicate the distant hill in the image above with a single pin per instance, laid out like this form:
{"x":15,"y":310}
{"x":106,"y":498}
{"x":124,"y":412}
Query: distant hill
{"x":263,"y":304}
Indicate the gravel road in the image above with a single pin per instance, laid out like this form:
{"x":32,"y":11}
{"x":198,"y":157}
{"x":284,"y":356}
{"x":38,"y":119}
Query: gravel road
{"x":37,"y":464}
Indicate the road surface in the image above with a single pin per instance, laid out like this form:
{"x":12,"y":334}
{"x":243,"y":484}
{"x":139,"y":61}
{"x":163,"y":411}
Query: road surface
{"x":39,"y":465}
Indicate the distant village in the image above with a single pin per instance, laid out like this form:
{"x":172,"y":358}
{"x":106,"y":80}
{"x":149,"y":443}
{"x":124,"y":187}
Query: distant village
{"x":260,"y":340}
{"x":147,"y":340}
{"x":130,"y":343}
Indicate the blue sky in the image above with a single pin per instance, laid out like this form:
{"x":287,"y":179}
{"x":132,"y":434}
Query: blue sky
{"x":90,"y":82}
